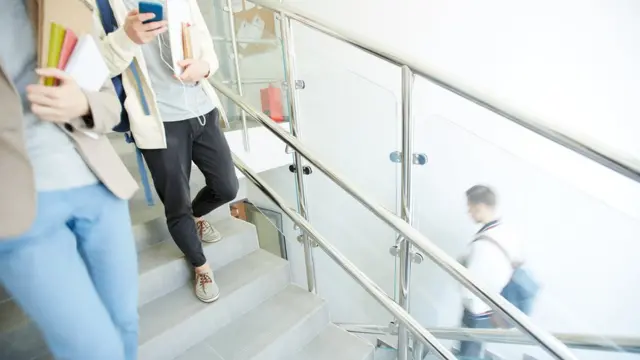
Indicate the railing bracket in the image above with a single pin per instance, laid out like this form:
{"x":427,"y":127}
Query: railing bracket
{"x":301,"y":237}
{"x":416,"y":257}
{"x":289,"y":150}
{"x":418,"y":159}
{"x":298,"y":85}
{"x":305,"y":169}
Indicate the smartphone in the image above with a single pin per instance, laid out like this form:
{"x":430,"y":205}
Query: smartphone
{"x":155,"y":8}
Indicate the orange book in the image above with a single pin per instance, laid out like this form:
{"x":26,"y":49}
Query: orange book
{"x":68,"y":44}
{"x":187,"y":52}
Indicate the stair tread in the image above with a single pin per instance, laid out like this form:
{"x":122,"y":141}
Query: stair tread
{"x":267,"y":329}
{"x":166,"y":251}
{"x":334,"y":343}
{"x":169,"y":310}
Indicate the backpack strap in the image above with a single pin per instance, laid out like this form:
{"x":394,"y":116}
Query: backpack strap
{"x":143,"y":172}
{"x":109,"y":24}
{"x":483,"y":236}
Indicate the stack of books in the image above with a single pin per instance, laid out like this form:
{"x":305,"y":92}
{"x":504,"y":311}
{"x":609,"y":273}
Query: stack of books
{"x":79,"y":57}
{"x":65,"y":42}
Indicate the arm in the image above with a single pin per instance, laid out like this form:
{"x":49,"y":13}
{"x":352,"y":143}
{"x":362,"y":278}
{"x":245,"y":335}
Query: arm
{"x":208,"y":53}
{"x":117,"y":48}
{"x":487,"y":265}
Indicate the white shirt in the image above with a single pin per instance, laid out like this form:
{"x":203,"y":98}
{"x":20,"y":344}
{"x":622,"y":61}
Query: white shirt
{"x":489,"y":266}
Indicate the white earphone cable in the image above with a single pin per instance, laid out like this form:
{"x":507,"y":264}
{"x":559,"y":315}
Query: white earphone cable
{"x":161,"y":43}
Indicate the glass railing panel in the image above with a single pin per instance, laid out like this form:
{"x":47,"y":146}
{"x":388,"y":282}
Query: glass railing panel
{"x":574,"y":237}
{"x":277,"y":233}
{"x":257,"y":71}
{"x":336,"y":109}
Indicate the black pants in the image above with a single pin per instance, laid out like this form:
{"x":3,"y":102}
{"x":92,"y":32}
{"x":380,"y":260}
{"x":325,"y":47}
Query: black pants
{"x":170,"y":169}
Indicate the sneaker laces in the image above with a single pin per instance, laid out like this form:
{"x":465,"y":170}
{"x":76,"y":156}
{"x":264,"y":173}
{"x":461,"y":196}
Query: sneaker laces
{"x":204,"y":279}
{"x":201,"y":225}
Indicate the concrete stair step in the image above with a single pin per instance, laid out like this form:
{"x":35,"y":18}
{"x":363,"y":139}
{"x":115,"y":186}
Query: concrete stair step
{"x":334,"y":343}
{"x":176,"y":322}
{"x":274,"y":329}
{"x":162,"y":268}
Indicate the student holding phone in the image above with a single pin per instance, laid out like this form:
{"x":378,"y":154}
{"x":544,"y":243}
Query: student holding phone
{"x":174,"y":120}
{"x":67,"y":253}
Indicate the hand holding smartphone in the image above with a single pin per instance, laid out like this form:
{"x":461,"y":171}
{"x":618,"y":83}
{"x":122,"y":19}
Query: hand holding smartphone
{"x":142,"y":25}
{"x":148,"y":7}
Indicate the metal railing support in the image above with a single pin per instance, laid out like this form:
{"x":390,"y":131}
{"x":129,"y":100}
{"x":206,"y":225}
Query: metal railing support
{"x":292,"y":102}
{"x":405,"y":258}
{"x":236,"y":65}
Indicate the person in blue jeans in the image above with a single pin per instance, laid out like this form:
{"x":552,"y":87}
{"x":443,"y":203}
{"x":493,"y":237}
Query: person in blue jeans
{"x":67,"y":253}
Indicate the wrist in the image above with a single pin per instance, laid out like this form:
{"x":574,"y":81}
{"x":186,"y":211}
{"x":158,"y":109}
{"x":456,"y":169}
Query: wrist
{"x":83,"y":110}
{"x":122,"y":40}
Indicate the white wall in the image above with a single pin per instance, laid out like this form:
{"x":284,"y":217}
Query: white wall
{"x":573,"y":63}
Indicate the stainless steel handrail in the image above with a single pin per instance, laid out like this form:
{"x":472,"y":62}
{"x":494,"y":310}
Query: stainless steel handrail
{"x":580,"y":143}
{"x":372,"y":288}
{"x":442,"y":259}
{"x":613,"y":343}
{"x":575,"y":341}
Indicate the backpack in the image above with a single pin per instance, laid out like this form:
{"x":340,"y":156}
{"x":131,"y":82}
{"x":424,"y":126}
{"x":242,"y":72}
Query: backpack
{"x":522,"y":288}
{"x":110,"y":24}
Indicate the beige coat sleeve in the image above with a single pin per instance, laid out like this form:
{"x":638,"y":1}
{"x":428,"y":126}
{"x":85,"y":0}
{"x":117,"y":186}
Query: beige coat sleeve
{"x":117,"y":49}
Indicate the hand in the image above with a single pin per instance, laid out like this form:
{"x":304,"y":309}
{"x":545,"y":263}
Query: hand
{"x":141,"y":33}
{"x":194,"y":70}
{"x":58,"y":104}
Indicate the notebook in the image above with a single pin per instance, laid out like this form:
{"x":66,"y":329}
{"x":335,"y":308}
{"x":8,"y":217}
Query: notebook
{"x":86,"y":65}
{"x":186,"y":41}
{"x":177,"y":13}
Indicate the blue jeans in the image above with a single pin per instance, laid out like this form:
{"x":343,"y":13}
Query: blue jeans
{"x":472,"y":349}
{"x":75,"y":274}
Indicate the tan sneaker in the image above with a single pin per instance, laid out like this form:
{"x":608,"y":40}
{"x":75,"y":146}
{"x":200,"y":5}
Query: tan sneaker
{"x":206,"y":232}
{"x":206,"y":288}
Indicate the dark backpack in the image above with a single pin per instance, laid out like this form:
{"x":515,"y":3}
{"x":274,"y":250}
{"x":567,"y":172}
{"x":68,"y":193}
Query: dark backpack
{"x":110,"y":24}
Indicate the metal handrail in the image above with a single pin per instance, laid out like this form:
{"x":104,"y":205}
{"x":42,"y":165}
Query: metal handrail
{"x":574,"y":341}
{"x":578,"y":142}
{"x":442,"y":259}
{"x":614,"y":343}
{"x":371,"y":287}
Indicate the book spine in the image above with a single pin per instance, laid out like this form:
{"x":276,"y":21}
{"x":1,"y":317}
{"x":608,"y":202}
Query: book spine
{"x":55,"y":47}
{"x":68,"y":45}
{"x":186,"y":42}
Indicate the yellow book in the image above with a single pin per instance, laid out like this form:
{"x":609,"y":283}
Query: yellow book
{"x":55,"y":48}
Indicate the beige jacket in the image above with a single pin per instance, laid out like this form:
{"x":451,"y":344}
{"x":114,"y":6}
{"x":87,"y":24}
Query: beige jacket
{"x":119,"y":51}
{"x":17,"y":187}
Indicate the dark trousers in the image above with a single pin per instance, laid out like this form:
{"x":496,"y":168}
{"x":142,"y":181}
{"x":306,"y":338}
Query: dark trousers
{"x":170,"y":168}
{"x":472,"y":349}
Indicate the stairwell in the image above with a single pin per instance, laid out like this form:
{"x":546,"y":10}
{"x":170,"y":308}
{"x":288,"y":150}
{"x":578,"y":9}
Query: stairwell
{"x":260,"y":315}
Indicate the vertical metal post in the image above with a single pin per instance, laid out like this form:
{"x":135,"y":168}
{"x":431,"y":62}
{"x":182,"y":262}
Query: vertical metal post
{"x":292,"y":101}
{"x":236,"y":64}
{"x":405,"y":203}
